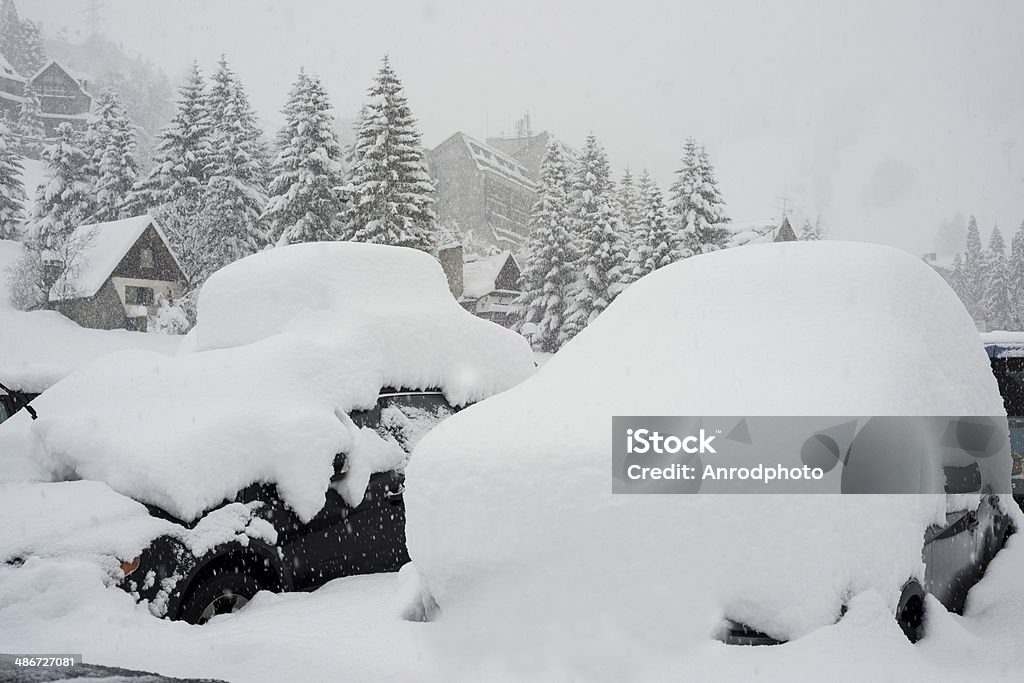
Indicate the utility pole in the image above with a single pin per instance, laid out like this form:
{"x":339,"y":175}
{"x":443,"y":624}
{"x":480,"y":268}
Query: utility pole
{"x":785,"y":201}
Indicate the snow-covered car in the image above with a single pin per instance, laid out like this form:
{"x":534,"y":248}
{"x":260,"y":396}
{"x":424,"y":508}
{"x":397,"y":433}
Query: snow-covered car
{"x":795,"y":329}
{"x":271,"y":448}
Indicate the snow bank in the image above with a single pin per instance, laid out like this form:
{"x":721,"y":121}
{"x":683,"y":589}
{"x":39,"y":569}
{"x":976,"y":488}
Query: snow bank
{"x":510,"y":513}
{"x":287,"y":342}
{"x":82,"y":518}
{"x":39,"y":348}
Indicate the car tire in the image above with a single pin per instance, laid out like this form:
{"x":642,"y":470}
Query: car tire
{"x":222,"y":591}
{"x":910,"y":611}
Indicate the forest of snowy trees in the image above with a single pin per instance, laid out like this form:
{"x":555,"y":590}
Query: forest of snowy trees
{"x":990,"y":281}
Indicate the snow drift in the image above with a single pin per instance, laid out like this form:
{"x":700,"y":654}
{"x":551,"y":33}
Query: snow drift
{"x":288,"y":341}
{"x":510,"y":513}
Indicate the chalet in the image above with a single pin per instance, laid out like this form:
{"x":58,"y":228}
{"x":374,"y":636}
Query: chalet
{"x":486,"y":286}
{"x":120,"y":271}
{"x":63,"y":97}
{"x":483,"y":190}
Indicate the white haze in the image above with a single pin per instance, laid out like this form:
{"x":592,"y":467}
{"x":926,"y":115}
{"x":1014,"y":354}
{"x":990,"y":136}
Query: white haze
{"x":882,"y":117}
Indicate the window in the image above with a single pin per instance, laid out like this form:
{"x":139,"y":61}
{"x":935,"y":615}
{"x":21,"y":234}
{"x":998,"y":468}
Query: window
{"x":138,"y":296}
{"x":146,"y":260}
{"x":404,"y":417}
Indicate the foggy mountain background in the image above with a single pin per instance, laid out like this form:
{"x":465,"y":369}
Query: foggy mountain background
{"x":887,"y":120}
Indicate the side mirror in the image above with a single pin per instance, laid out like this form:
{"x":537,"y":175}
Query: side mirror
{"x":340,"y":467}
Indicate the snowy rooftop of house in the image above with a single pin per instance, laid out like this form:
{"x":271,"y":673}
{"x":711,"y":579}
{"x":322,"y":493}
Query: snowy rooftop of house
{"x":39,"y":348}
{"x":8,"y":71}
{"x":104,"y":245}
{"x":479,"y":276}
{"x":488,"y":158}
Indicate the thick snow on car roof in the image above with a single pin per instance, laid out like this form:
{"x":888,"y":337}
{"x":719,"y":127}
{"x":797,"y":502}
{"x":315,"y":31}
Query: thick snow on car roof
{"x":513,"y":520}
{"x":288,"y":341}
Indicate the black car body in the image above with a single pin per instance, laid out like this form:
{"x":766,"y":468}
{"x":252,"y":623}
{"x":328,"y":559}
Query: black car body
{"x":12,"y":402}
{"x":340,"y":540}
{"x":1007,"y":359}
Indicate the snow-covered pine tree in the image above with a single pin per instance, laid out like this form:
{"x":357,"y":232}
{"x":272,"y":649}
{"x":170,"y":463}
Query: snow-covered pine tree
{"x":183,"y":152}
{"x":629,"y":202}
{"x":548,"y":276}
{"x":305,"y":196}
{"x":30,"y":122}
{"x":390,"y":190}
{"x":20,"y":41}
{"x":811,"y":231}
{"x":974,"y":265}
{"x":658,"y":243}
{"x":235,"y":193}
{"x":998,"y":310}
{"x":12,"y":190}
{"x":598,"y":238}
{"x":957,"y":280}
{"x":110,"y":145}
{"x":1015,"y":268}
{"x":696,"y":206}
{"x":64,"y":200}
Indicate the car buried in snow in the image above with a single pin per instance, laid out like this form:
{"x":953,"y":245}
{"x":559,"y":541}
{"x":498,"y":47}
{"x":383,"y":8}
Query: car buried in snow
{"x":805,"y":332}
{"x":269,"y":452}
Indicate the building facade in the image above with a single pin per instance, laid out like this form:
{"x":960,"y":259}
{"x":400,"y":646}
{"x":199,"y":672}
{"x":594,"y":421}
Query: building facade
{"x":121,"y":272}
{"x":63,"y":97}
{"x":482,"y":190}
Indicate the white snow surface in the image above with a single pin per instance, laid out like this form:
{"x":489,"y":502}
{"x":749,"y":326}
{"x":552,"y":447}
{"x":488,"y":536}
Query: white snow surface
{"x":511,"y":520}
{"x":287,"y":342}
{"x":41,"y":347}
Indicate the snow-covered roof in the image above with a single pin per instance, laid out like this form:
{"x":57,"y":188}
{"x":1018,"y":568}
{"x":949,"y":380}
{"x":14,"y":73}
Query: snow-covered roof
{"x":8,"y":71}
{"x":105,"y":244}
{"x":479,"y":276}
{"x":39,"y":348}
{"x":488,"y":158}
{"x":288,"y":341}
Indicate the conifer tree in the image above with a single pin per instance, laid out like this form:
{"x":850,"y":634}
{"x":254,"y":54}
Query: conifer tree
{"x":12,"y":190}
{"x":183,"y":152}
{"x":973,"y":270}
{"x":30,"y":121}
{"x":658,"y":243}
{"x":811,"y":231}
{"x":390,"y":198}
{"x":629,"y":202}
{"x":235,"y":193}
{"x":64,"y":200}
{"x":548,"y":276}
{"x":1015,"y":277}
{"x":20,"y":41}
{"x":305,"y":195}
{"x":696,"y":205}
{"x":957,"y":280}
{"x":599,"y":240}
{"x":110,"y":145}
{"x":998,"y":310}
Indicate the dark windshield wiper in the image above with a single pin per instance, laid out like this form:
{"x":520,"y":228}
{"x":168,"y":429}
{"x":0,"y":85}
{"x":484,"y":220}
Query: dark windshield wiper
{"x":20,"y":398}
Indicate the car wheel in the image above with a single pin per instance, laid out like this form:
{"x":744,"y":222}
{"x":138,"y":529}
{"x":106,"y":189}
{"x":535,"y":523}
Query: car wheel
{"x":910,"y":611}
{"x":224,"y":591}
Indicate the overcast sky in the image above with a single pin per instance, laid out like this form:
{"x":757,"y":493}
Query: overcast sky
{"x":882,"y":117}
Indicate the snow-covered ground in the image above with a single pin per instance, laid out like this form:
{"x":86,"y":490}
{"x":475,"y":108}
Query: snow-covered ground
{"x":350,"y":630}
